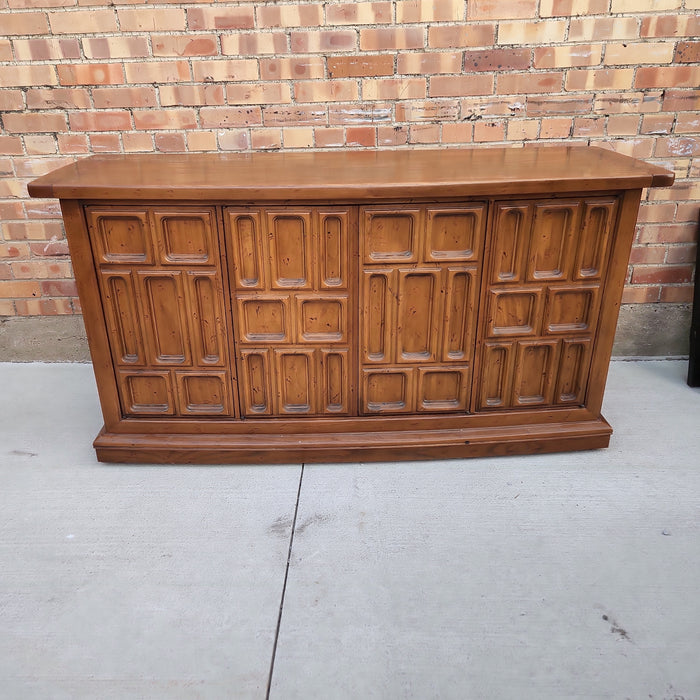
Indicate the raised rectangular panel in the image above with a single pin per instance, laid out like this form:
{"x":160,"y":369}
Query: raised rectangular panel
{"x":121,"y":236}
{"x":290,"y":249}
{"x":553,"y":227}
{"x":255,"y":382}
{"x":377,"y":315}
{"x":146,"y":393}
{"x":206,"y":318}
{"x":322,"y":319}
{"x":514,"y":311}
{"x":496,"y":375}
{"x":417,"y":334}
{"x":454,"y":234}
{"x":333,"y":231}
{"x":511,"y":239}
{"x":335,"y":381}
{"x":572,"y":377}
{"x":164,"y":311}
{"x":203,"y":394}
{"x":295,"y":379}
{"x":597,"y":224}
{"x":571,"y":309}
{"x":459,"y":317}
{"x":119,"y":302}
{"x":245,"y":237}
{"x":388,"y":390}
{"x":264,"y":318}
{"x":442,"y":389}
{"x":535,"y":373}
{"x":390,"y":235}
{"x":185,"y":237}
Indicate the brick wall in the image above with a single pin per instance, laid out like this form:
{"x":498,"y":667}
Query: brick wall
{"x":101,"y":76}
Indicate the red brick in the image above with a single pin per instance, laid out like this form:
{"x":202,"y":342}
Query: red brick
{"x":105,"y":143}
{"x":234,"y":140}
{"x":500,"y":9}
{"x":424,"y":133}
{"x":282,"y":115}
{"x":556,"y":127}
{"x":223,"y":71}
{"x":523,"y":129}
{"x":685,"y":147}
{"x":83,"y":21}
{"x":648,"y":255}
{"x":457,"y":133}
{"x":323,"y":41}
{"x":46,"y":49}
{"x":542,"y":32}
{"x":687,"y":52}
{"x":100,"y":121}
{"x":11,"y":210}
{"x":589,"y":126}
{"x":91,"y":74}
{"x":151,"y":119}
{"x":17,"y":289}
{"x":567,"y":56}
{"x":218,"y":117}
{"x":24,"y":23}
{"x":41,"y":269}
{"x":525,"y":83}
{"x":539,"y":106}
{"x":478,"y":107}
{"x":323,"y":91}
{"x":298,"y":137}
{"x":430,"y":111}
{"x":213,"y":17}
{"x":160,"y":19}
{"x":388,"y":38}
{"x":462,"y":35}
{"x":191,"y":95}
{"x":261,"y":93}
{"x":670,"y":76}
{"x":137,"y":141}
{"x":27,"y":75}
{"x":677,"y":295}
{"x":640,"y":295}
{"x":456,"y":86}
{"x":360,"y":66}
{"x":687,"y":123}
{"x":11,"y":101}
{"x":11,"y":145}
{"x":656,"y":213}
{"x":116,"y":47}
{"x":415,"y":63}
{"x":302,"y":68}
{"x":265,"y":139}
{"x":568,"y":8}
{"x":666,"y":274}
{"x":670,"y":25}
{"x":72,"y":143}
{"x":681,"y":100}
{"x":18,"y":250}
{"x":157,"y":72}
{"x":308,"y":15}
{"x":688,"y":211}
{"x":54,"y":98}
{"x":603,"y":28}
{"x":489,"y":131}
{"x":331,"y":137}
{"x":59,"y":288}
{"x":603,"y":79}
{"x":408,"y":11}
{"x":361,"y":136}
{"x":106,"y":98}
{"x":6,"y":50}
{"x":657,"y":124}
{"x":394,"y":88}
{"x":496,"y":60}
{"x":359,"y":13}
{"x":681,"y":254}
{"x":188,"y":45}
{"x":170,"y":142}
{"x":29,"y":122}
{"x":623,"y":124}
{"x":253,"y":43}
{"x":356,"y":114}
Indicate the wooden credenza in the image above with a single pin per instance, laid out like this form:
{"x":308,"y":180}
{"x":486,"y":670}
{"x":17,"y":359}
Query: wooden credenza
{"x":345,"y":306}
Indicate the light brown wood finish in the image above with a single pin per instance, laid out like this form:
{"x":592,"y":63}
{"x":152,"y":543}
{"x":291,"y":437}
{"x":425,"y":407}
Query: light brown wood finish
{"x":354,"y":305}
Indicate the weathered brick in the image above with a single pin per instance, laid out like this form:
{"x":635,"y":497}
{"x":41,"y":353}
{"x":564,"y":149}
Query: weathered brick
{"x":158,"y":19}
{"x":670,"y":76}
{"x":681,"y":254}
{"x":461,"y":85}
{"x":259,"y":93}
{"x":325,"y":91}
{"x":687,"y":123}
{"x":432,"y":110}
{"x":105,"y":143}
{"x":363,"y":113}
{"x":388,"y":38}
{"x":308,"y":15}
{"x":687,"y":52}
{"x":27,"y":75}
{"x":14,"y":250}
{"x":116,"y":47}
{"x":201,"y":141}
{"x":564,"y":8}
{"x":429,"y":63}
{"x":364,"y":136}
{"x":11,"y":210}
{"x":677,"y":295}
{"x":461,"y":35}
{"x":170,"y":142}
{"x":191,"y":95}
{"x":501,"y":9}
{"x":266,"y":139}
{"x":556,"y":127}
{"x":11,"y":145}
{"x":46,"y":49}
{"x":538,"y":106}
{"x":152,"y":119}
{"x":216,"y":117}
{"x":640,"y":295}
{"x":41,"y":269}
{"x":11,"y":101}
{"x":496,"y":60}
{"x":284,"y":115}
{"x":666,"y":274}
{"x":647,"y":255}
{"x":298,"y":137}
{"x":522,"y":129}
{"x":567,"y":56}
{"x":424,"y":133}
{"x":526,"y":83}
{"x":329,"y":137}
{"x":603,"y":28}
{"x":688,"y":211}
{"x":681,"y":100}
{"x":100,"y":121}
{"x":40,"y":144}
{"x":393,"y":88}
{"x":670,"y":25}
{"x":24,"y":23}
{"x":637,"y":6}
{"x":481,"y":107}
{"x":359,"y":13}
{"x":253,"y":43}
{"x":301,"y":68}
{"x":213,"y":17}
{"x":627,"y":101}
{"x":107,"y":98}
{"x":72,"y":143}
{"x":19,"y":288}
{"x":234,"y":140}
{"x":6,"y":50}
{"x":91,"y":74}
{"x":410,"y":11}
{"x":323,"y":41}
{"x":185,"y":45}
{"x":360,"y":66}
{"x":657,"y":124}
{"x":34,"y":167}
{"x":543,"y":32}
{"x":635,"y":53}
{"x":623,"y":124}
{"x":603,"y":79}
{"x":31,"y":122}
{"x":157,"y":72}
{"x":223,"y":71}
{"x":137,"y":142}
{"x":489,"y":131}
{"x":83,"y":21}
{"x":36,"y":4}
{"x":44,"y":307}
{"x":56,"y":98}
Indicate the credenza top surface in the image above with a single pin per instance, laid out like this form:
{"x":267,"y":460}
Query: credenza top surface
{"x":349,"y":175}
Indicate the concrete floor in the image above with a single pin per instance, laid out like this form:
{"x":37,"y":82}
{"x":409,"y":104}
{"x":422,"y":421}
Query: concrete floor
{"x":558,"y":576}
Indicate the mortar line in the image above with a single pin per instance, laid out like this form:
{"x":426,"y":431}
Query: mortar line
{"x":284,"y":587}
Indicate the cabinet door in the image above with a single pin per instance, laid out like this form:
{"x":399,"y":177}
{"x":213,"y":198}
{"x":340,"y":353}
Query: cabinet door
{"x":546,"y":270}
{"x":292,"y":289}
{"x":161,"y":283}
